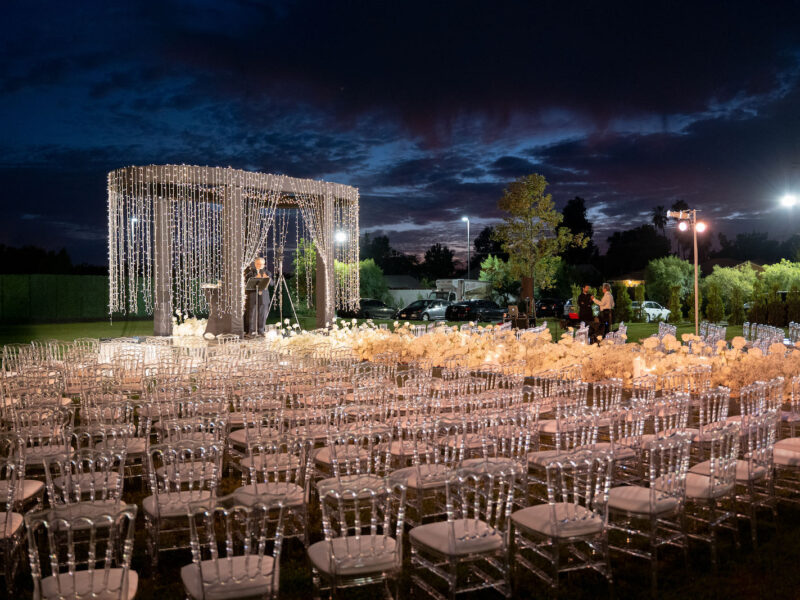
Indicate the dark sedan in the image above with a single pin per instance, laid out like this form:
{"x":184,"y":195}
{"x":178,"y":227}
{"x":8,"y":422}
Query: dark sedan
{"x":370,"y":309}
{"x":475,"y":310}
{"x":549,"y":307}
{"x":425,"y":310}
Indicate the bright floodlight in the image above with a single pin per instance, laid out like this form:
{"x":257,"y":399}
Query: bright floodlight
{"x":340,"y":237}
{"x":700,"y":227}
{"x":465,"y":218}
{"x":789,"y":200}
{"x":683,"y":226}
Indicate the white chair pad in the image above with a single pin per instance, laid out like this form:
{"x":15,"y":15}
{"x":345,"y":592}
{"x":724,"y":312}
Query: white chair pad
{"x":240,"y":437}
{"x":362,"y":556}
{"x":90,"y":509}
{"x":572,"y":520}
{"x":785,"y":456}
{"x":62,"y":585}
{"x":175,"y":504}
{"x":364,"y":484}
{"x":742,"y":470}
{"x":636,"y":499}
{"x":239,"y":577}
{"x":39,"y":453}
{"x":343,"y":453}
{"x":133,"y":446}
{"x":698,"y":487}
{"x":291,"y":493}
{"x":788,"y":416}
{"x":186,"y":471}
{"x":10,"y":524}
{"x":282,"y":461}
{"x":26,"y":489}
{"x":433,"y":476}
{"x":471,"y":537}
{"x":788,"y":444}
{"x":542,"y":457}
{"x":620,"y":451}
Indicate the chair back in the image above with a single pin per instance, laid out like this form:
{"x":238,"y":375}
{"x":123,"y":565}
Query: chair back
{"x":577,"y":489}
{"x":712,"y":406}
{"x":83,"y":557}
{"x":669,"y":463}
{"x":670,"y":413}
{"x":87,"y":475}
{"x":480,"y":501}
{"x":236,"y":546}
{"x":364,"y":526}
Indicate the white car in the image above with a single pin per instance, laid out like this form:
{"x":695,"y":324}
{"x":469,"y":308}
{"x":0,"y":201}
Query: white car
{"x":653,"y":311}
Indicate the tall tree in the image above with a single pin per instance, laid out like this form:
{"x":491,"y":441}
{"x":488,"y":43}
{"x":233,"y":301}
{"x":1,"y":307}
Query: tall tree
{"x":438,"y":262}
{"x":660,"y":219}
{"x":575,"y":220}
{"x":486,"y":244}
{"x":531,"y":231}
{"x":632,"y":249}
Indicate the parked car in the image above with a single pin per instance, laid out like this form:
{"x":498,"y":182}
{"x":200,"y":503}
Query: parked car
{"x":475,"y":310}
{"x":652,"y":311}
{"x":369,"y":308}
{"x":549,"y":307}
{"x":424,"y":310}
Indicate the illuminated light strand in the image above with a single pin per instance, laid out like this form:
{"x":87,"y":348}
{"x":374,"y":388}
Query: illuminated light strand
{"x":196,"y":225}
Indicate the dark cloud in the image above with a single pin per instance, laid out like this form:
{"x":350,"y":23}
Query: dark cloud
{"x":430,"y":108}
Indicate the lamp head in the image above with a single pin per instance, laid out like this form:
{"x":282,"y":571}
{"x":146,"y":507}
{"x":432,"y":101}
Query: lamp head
{"x":683,"y":225}
{"x":340,"y":237}
{"x":788,"y":200}
{"x":700,"y":227}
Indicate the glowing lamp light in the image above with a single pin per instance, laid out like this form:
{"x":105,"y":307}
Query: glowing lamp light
{"x":340,"y":237}
{"x":700,"y":227}
{"x":788,"y":200}
{"x":683,"y":225}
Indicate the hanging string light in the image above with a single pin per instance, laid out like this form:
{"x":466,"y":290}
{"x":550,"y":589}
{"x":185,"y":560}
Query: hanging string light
{"x":187,"y":212}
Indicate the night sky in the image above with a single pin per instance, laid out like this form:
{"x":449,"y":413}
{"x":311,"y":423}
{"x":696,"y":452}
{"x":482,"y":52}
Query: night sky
{"x":429,"y":108}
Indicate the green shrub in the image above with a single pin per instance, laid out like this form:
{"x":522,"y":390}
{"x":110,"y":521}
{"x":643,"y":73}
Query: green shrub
{"x":639,"y":315}
{"x":675,"y":310}
{"x":622,"y":299}
{"x":715,"y":310}
{"x":793,"y":304}
{"x":737,"y":307}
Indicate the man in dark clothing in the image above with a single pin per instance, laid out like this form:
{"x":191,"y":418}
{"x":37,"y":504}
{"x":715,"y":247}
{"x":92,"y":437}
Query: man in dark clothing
{"x":256,"y":302}
{"x":585,"y":306}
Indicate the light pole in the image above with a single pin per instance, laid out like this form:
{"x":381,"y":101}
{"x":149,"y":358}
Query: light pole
{"x":468,"y":248}
{"x":686,"y":219}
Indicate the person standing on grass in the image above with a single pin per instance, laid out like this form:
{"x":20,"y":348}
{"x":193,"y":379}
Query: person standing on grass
{"x":585,"y":314}
{"x":606,"y":305}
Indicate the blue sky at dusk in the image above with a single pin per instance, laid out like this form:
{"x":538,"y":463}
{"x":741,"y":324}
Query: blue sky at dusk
{"x":429,"y":108}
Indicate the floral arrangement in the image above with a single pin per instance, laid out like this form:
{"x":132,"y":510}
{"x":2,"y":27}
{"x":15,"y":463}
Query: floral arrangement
{"x":185,"y":326}
{"x":733,"y":365}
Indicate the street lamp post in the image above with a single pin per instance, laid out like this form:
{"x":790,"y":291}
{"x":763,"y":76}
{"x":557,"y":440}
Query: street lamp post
{"x":468,"y":247}
{"x":688,"y":218}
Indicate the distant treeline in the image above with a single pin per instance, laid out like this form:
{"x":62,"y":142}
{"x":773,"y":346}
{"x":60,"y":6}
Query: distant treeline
{"x":34,"y":260}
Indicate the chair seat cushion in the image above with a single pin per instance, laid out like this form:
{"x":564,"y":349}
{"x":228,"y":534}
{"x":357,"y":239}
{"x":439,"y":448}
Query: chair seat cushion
{"x":788,"y":416}
{"x":470,"y":537}
{"x":363,"y":555}
{"x":743,"y":472}
{"x":133,"y":446}
{"x":26,"y":489}
{"x":786,"y":455}
{"x":364,"y":484}
{"x":541,"y":458}
{"x":572,"y":520}
{"x":619,"y":451}
{"x":699,"y":487}
{"x":223,"y":579}
{"x":282,"y":461}
{"x":636,"y":499}
{"x":12,"y":522}
{"x":291,"y":493}
{"x":175,"y":504}
{"x":343,"y":453}
{"x":240,"y":437}
{"x":426,"y":476}
{"x":82,"y":583}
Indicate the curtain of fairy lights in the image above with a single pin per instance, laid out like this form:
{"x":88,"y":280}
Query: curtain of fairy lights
{"x":195,"y":227}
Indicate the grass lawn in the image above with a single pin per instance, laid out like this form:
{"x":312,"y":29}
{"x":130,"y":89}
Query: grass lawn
{"x":10,"y":333}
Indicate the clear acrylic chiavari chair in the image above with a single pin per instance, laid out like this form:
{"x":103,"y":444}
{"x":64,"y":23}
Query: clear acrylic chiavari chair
{"x":82,"y":557}
{"x":236,"y":548}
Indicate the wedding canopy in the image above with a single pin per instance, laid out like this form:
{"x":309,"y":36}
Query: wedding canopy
{"x":172,"y":228}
